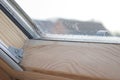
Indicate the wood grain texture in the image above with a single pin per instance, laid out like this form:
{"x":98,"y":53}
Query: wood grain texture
{"x":73,"y":60}
{"x":3,"y":75}
{"x":28,"y":75}
{"x":10,"y":34}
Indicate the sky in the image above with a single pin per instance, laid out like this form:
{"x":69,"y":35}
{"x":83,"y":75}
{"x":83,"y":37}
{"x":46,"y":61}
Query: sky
{"x":105,"y":11}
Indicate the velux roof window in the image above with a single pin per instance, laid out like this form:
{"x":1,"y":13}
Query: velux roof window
{"x":75,"y":20}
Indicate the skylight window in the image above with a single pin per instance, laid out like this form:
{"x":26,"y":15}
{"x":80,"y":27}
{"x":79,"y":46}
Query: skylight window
{"x":78,"y":20}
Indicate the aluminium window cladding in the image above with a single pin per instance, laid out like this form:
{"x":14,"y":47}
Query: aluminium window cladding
{"x":19,"y":18}
{"x":15,"y":22}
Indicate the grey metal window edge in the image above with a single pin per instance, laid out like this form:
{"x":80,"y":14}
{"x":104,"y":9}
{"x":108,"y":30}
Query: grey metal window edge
{"x":83,"y":38}
{"x":12,"y":7}
{"x":8,"y":57}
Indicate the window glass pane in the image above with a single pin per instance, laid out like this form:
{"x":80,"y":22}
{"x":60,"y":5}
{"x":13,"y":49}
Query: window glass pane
{"x":97,"y":20}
